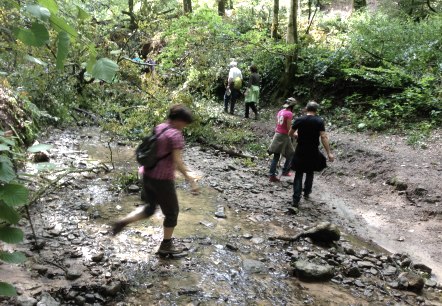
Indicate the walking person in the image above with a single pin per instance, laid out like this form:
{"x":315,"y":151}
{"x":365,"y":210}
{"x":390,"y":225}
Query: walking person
{"x":308,"y":129}
{"x":252,"y":92}
{"x":234,"y":84}
{"x":159,"y":182}
{"x":281,"y":142}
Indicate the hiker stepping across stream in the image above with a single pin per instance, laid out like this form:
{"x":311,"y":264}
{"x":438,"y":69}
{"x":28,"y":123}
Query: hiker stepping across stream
{"x":159,"y":181}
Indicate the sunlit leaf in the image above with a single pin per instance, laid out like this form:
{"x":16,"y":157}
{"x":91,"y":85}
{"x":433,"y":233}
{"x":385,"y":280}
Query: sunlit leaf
{"x":39,"y":12}
{"x":15,"y":257}
{"x":7,"y":289}
{"x":4,"y":147}
{"x":35,"y":60}
{"x":105,"y":69}
{"x":45,"y":166}
{"x":39,"y":148}
{"x":92,"y":59}
{"x":60,"y":25}
{"x":36,"y":36}
{"x":14,"y":194}
{"x":8,"y":213}
{"x":11,"y":234}
{"x":63,"y":42}
{"x":82,"y":14}
{"x":51,"y":5}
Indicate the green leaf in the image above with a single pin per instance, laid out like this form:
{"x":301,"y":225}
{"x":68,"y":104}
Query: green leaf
{"x":4,"y":147}
{"x":51,"y":5}
{"x":8,"y":213}
{"x":11,"y":234}
{"x":62,"y":49}
{"x":45,"y":166}
{"x":14,"y":194}
{"x":7,"y":289}
{"x":92,"y":59}
{"x":82,"y":14}
{"x":39,"y":12}
{"x":59,"y":24}
{"x":39,"y":148}
{"x":35,"y":60}
{"x":7,"y":172}
{"x":15,"y":257}
{"x":7,"y":140}
{"x":36,"y":36}
{"x":105,"y":69}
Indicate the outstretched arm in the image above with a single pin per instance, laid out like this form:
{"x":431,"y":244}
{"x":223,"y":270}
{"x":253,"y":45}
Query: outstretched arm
{"x":181,"y":167}
{"x":326,"y":144}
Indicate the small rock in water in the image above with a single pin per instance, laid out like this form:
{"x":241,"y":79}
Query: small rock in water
{"x":257,"y":240}
{"x":231,"y":247}
{"x":422,"y":267}
{"x":113,"y":288}
{"x":24,"y":300}
{"x":411,"y":281}
{"x":97,"y":257}
{"x":73,"y":274}
{"x":247,"y":236}
{"x":401,"y":238}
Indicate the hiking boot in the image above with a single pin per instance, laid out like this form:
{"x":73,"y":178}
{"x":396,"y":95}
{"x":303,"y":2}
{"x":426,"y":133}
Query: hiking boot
{"x":274,"y":179}
{"x":117,"y":227}
{"x":306,"y":195}
{"x":168,"y":248}
{"x":287,"y":173}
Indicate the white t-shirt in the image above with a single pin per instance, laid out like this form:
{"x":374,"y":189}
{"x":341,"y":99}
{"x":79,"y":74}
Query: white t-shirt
{"x":234,"y":72}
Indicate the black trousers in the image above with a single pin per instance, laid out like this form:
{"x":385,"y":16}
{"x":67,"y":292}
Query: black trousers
{"x":251,"y":105}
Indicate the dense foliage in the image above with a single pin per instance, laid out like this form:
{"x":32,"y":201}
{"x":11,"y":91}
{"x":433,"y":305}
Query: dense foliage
{"x":375,"y":68}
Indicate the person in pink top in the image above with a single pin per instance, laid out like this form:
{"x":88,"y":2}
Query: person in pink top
{"x":281,"y":142}
{"x":159,"y":182}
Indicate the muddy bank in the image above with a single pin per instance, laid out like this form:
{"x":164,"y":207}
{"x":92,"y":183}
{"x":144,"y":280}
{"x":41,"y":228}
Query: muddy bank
{"x":231,"y":260}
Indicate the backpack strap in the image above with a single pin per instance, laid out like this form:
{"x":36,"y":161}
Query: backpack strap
{"x":159,"y":134}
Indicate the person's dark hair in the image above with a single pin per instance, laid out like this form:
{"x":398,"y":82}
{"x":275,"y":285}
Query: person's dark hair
{"x":253,"y":69}
{"x":312,"y":106}
{"x":180,"y":112}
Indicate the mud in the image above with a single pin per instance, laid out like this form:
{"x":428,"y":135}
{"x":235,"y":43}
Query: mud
{"x":233,"y":260}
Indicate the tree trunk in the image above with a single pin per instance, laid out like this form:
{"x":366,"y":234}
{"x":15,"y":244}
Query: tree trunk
{"x":187,"y":5}
{"x":275,"y":22}
{"x":231,"y":4}
{"x":221,"y":7}
{"x":359,"y":4}
{"x":291,"y":58}
{"x":133,"y":24}
{"x":292,"y":29}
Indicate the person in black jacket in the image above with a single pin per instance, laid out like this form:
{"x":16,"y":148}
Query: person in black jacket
{"x":307,"y":159}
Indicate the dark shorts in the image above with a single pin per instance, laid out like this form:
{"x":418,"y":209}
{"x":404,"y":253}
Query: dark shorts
{"x":160,"y":193}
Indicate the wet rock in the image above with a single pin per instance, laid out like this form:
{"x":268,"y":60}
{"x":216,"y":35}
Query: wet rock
{"x":24,"y":300}
{"x":90,"y":298}
{"x":247,"y":236}
{"x":97,"y":257}
{"x":352,"y":271}
{"x":231,"y":247}
{"x":410,"y":281}
{"x":133,"y":188}
{"x":96,"y":215}
{"x":406,"y":262}
{"x":324,"y":232}
{"x":179,"y":255}
{"x":257,"y":240}
{"x":359,"y":284}
{"x":398,"y":183}
{"x":365,"y":264}
{"x":349,"y":250}
{"x":394,"y":284}
{"x":430,"y":283}
{"x":188,"y":291}
{"x":112,"y":289}
{"x":390,"y":270}
{"x":73,"y":274}
{"x":422,"y":267}
{"x":254,"y":266}
{"x":309,"y":271}
{"x":40,"y":269}
{"x":220,"y":212}
{"x":47,"y":300}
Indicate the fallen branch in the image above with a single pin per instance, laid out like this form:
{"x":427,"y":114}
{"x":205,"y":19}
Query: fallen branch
{"x":230,"y":152}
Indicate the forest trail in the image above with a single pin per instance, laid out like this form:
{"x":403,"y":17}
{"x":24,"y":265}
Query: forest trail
{"x":231,"y":260}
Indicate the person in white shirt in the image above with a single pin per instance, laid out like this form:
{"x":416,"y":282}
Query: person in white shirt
{"x":234,"y":84}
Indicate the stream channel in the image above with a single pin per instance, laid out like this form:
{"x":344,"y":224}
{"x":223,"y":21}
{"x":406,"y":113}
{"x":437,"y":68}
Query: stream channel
{"x":231,"y":260}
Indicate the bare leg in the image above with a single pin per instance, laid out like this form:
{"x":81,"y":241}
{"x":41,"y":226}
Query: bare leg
{"x":168,"y":231}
